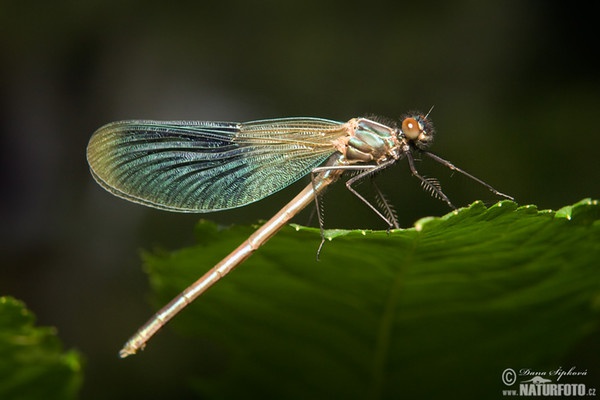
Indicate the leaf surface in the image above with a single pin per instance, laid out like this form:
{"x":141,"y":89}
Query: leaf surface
{"x":442,"y":308}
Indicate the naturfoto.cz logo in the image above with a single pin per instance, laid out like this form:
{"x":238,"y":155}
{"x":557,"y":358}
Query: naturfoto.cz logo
{"x":545,"y":383}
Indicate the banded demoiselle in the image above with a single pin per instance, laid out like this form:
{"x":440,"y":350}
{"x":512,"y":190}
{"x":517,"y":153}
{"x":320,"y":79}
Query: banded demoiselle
{"x":195,"y":166}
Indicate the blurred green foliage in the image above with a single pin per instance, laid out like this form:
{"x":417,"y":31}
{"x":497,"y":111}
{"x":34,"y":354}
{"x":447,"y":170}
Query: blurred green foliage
{"x":32,"y":362}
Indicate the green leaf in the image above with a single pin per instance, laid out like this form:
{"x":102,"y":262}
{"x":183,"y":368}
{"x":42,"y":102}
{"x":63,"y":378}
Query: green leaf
{"x":32,"y":363}
{"x":436,"y":310}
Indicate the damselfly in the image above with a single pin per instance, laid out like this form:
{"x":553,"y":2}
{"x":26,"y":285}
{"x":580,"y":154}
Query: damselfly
{"x":196,"y":166}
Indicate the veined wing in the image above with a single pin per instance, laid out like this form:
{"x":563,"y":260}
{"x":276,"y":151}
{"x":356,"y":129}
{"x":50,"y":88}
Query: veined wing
{"x":196,"y":166}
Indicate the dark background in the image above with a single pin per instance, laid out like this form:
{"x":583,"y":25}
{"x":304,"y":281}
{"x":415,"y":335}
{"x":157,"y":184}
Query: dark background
{"x":515,"y":86}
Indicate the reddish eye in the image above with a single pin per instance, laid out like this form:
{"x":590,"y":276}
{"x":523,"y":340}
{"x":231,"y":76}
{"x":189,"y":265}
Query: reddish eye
{"x":411,"y":128}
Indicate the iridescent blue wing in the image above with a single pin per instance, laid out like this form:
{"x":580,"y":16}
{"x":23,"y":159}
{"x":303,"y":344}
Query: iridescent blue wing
{"x":194,"y":166}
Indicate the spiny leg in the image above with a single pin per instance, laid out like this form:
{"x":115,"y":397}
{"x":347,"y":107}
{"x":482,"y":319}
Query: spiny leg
{"x":448,"y":164}
{"x":383,"y":203}
{"x":339,"y":168}
{"x":429,"y":185}
{"x":319,"y":211}
{"x":391,"y":224}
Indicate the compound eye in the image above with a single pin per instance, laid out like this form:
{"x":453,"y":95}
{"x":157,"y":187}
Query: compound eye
{"x":411,"y":128}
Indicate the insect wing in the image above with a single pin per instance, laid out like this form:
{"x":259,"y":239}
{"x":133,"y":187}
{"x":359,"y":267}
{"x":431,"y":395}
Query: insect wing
{"x":194,"y":166}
